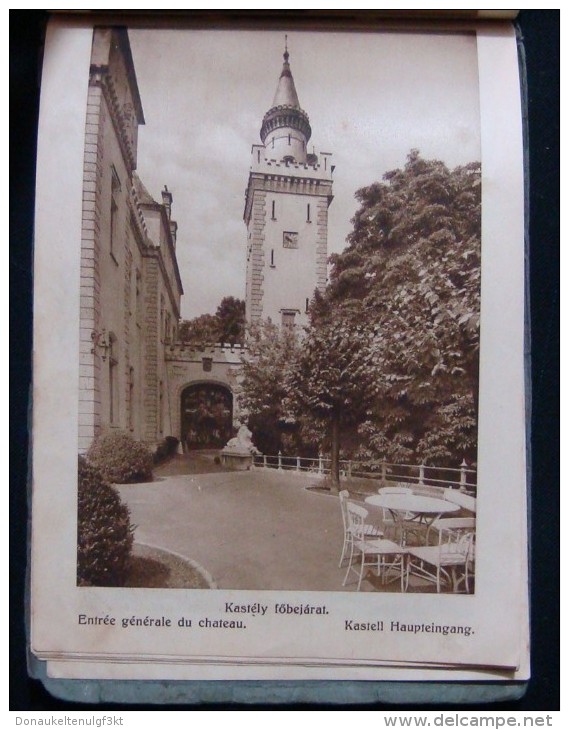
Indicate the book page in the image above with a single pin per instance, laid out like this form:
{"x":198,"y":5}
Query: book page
{"x":147,"y":141}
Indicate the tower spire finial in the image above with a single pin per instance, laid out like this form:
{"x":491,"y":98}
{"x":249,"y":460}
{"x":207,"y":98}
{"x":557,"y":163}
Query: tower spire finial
{"x":286,"y":54}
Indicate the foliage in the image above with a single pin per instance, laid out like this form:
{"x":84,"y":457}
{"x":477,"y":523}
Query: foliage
{"x":120,"y":458}
{"x":207,"y":416}
{"x":104,"y":532}
{"x":226,"y":325}
{"x":231,"y":317}
{"x":202,"y":330}
{"x":330,"y":381}
{"x":388,"y":366}
{"x":413,"y":264}
{"x":271,"y":353}
{"x":167,"y":447}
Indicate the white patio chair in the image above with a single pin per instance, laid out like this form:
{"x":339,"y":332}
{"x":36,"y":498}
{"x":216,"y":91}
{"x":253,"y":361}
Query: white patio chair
{"x":371,"y":529}
{"x":451,"y":561}
{"x":462,"y":524}
{"x":384,"y":554}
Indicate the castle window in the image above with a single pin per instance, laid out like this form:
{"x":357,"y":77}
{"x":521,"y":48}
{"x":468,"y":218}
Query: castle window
{"x":273,"y":211}
{"x":167,"y":329}
{"x":114,"y":232}
{"x":138,"y":302}
{"x":161,"y":407}
{"x":287,"y":318}
{"x":308,"y":213}
{"x":307,"y":305}
{"x":290,"y":239}
{"x":207,"y":363}
{"x":273,"y":258}
{"x":131,"y":399}
{"x":289,"y":140}
{"x":113,"y":380}
{"x":258,"y":155}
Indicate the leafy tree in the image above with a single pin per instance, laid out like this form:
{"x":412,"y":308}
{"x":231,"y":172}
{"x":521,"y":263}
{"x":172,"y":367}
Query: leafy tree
{"x":202,"y":330}
{"x":271,"y":354}
{"x":231,"y":318}
{"x":390,"y":358}
{"x":330,"y":381}
{"x":411,"y":272}
{"x":226,"y":325}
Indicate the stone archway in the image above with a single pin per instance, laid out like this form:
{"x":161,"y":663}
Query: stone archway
{"x":206,"y":416}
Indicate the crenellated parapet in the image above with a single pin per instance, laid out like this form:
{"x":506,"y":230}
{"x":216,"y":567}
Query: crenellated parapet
{"x":218,"y":353}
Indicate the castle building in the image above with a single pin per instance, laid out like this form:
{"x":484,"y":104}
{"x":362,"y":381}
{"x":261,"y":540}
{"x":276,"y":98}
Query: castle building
{"x":130,"y":284}
{"x":286,"y":213}
{"x":135,"y":375}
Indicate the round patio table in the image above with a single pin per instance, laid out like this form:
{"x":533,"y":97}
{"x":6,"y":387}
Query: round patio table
{"x":412,"y":509}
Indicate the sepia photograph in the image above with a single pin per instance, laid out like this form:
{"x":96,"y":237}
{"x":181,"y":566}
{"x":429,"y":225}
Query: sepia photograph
{"x":280,"y":311}
{"x":278,"y":353}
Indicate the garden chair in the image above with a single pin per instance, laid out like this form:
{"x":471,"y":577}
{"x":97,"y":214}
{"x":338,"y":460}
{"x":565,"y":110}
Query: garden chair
{"x":371,"y":530}
{"x":372,"y":551}
{"x":451,"y":561}
{"x":462,"y":524}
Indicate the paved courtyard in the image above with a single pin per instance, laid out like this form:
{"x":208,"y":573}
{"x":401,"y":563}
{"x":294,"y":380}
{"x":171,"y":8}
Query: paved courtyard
{"x":248,"y":530}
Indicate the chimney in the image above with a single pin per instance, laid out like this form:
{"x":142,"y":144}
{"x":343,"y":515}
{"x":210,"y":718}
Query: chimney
{"x":167,"y":201}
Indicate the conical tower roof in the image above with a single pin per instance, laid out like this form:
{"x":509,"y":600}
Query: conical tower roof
{"x":286,"y":110}
{"x":286,"y":92}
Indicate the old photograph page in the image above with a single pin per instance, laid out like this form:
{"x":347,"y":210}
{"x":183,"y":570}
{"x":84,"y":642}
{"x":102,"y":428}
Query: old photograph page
{"x":279,"y":406}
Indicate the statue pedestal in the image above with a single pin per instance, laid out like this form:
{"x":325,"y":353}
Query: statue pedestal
{"x":237,"y":459}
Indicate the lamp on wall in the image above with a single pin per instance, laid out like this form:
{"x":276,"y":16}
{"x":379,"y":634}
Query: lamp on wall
{"x":101,"y":343}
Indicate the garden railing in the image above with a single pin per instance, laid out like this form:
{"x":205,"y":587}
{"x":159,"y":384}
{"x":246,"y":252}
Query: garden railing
{"x":424,"y":475}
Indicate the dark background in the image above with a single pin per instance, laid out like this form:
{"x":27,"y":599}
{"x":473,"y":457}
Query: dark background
{"x":540,"y":31}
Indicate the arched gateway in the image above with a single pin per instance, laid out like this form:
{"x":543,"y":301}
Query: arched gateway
{"x":203,"y":390}
{"x":206,"y":416}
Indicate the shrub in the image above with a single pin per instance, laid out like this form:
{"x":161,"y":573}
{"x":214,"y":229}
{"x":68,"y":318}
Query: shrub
{"x":120,"y":458}
{"x":165,"y":448}
{"x":104,"y":532}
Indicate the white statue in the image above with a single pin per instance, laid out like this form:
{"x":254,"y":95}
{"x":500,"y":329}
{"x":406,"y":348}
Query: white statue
{"x":242,"y":442}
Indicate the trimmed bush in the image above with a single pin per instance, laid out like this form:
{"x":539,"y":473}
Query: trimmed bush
{"x":166,"y":448}
{"x":104,"y":532}
{"x":121,"y":459}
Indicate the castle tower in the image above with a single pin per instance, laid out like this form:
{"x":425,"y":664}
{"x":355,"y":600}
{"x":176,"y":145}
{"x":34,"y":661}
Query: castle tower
{"x":286,"y":213}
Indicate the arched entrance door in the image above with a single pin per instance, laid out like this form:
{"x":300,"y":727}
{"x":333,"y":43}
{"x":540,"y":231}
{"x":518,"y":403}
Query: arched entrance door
{"x":207,"y":416}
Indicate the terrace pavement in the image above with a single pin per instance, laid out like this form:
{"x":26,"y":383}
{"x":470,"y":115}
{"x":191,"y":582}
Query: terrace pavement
{"x":259,"y":529}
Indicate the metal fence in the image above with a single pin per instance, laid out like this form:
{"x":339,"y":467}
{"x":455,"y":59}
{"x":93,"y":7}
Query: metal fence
{"x":463,"y":477}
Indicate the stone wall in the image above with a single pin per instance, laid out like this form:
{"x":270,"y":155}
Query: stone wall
{"x":220,"y":364}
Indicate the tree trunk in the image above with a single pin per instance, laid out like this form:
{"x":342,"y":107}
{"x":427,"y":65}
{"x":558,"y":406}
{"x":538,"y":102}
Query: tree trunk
{"x":335,"y":453}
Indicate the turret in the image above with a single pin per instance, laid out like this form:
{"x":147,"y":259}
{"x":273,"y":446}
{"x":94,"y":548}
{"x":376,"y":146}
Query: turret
{"x":286,"y":129}
{"x":286,"y":213}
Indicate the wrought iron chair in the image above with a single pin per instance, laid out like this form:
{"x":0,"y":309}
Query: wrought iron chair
{"x":384,"y":554}
{"x":451,"y":561}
